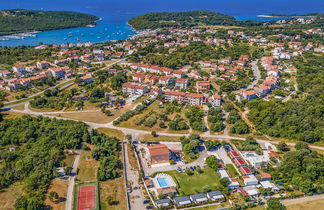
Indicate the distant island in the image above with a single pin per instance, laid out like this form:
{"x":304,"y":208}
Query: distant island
{"x":318,"y":14}
{"x":180,"y":19}
{"x":20,"y":20}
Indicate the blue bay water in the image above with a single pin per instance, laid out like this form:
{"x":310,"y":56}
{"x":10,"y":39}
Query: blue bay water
{"x":115,"y":13}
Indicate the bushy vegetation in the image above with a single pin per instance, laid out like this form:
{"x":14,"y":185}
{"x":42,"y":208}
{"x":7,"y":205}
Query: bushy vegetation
{"x":215,"y":117}
{"x":127,"y":115}
{"x":212,"y":144}
{"x":250,"y":144}
{"x":190,"y":144}
{"x":195,"y":116}
{"x":180,"y":19}
{"x":301,"y":170}
{"x":178,"y":124}
{"x":107,"y":152}
{"x":39,"y":148}
{"x":15,"y":21}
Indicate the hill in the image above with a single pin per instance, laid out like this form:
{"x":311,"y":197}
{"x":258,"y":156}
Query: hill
{"x":19,"y":20}
{"x":180,"y":19}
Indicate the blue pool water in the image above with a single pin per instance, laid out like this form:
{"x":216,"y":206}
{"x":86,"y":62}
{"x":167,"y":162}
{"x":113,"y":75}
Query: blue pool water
{"x":163,"y":182}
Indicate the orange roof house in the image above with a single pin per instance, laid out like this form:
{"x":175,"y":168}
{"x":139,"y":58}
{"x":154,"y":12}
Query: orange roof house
{"x":158,"y":154}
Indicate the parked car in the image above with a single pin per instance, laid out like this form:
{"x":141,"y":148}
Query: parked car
{"x":149,"y":207}
{"x":146,"y":201}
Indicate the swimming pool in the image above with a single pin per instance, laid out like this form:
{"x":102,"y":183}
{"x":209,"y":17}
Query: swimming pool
{"x":163,"y":182}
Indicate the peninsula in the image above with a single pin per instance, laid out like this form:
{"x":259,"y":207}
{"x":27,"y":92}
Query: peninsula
{"x":19,"y":20}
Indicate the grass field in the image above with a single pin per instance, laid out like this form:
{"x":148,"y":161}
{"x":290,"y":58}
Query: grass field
{"x":188,"y":185}
{"x":112,"y":132}
{"x":75,"y":203}
{"x":150,"y":138}
{"x":9,"y":195}
{"x":232,"y":170}
{"x":11,"y":115}
{"x":317,"y":204}
{"x":60,"y":187}
{"x":88,"y":166}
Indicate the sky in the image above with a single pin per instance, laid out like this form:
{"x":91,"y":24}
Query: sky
{"x":230,"y":7}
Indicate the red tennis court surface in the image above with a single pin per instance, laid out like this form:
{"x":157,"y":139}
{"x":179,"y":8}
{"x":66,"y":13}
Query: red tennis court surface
{"x":87,"y":197}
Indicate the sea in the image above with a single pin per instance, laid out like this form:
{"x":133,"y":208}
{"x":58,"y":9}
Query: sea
{"x":114,"y":15}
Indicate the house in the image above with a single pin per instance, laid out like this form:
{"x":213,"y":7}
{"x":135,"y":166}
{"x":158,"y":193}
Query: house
{"x":252,"y":191}
{"x":195,"y":99}
{"x":57,"y":72}
{"x":178,"y":74}
{"x":262,"y":90}
{"x":245,"y":170}
{"x":130,"y":88}
{"x":158,"y":155}
{"x":234,"y":184}
{"x":216,"y":196}
{"x":138,"y":77}
{"x":182,"y":83}
{"x":87,"y":78}
{"x":5,"y":73}
{"x":257,"y":161}
{"x":269,"y":185}
{"x":223,"y":174}
{"x":19,"y":69}
{"x":156,"y":91}
{"x":273,"y":72}
{"x":183,"y":200}
{"x":174,"y":95}
{"x":163,"y":203}
{"x":42,"y":64}
{"x":203,"y":85}
{"x":215,"y":100}
{"x":165,"y":80}
{"x":250,"y":180}
{"x":234,"y":155}
{"x":249,"y":95}
{"x":239,"y":162}
{"x":265,"y":177}
{"x":199,"y":198}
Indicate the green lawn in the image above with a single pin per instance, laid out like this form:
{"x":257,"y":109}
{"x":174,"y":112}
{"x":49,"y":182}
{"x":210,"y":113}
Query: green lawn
{"x":187,"y":185}
{"x":232,"y":170}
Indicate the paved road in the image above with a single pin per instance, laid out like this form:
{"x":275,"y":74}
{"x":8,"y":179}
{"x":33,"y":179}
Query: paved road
{"x":24,"y":100}
{"x":289,"y":202}
{"x":69,"y":196}
{"x":141,"y":132}
{"x":256,"y":73}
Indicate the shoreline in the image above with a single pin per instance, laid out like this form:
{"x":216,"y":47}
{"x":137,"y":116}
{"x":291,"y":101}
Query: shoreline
{"x":285,"y":16}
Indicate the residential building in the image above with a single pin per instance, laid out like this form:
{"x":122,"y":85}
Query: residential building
{"x":203,"y":85}
{"x":158,"y":155}
{"x":163,"y":203}
{"x":19,"y":69}
{"x":250,"y":180}
{"x":199,"y":198}
{"x":130,"y":88}
{"x":216,"y":196}
{"x":42,"y":64}
{"x":182,"y":83}
{"x":215,"y":100}
{"x":57,"y":72}
{"x":183,"y":200}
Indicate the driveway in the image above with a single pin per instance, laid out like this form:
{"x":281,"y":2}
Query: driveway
{"x":69,"y":195}
{"x":136,"y":196}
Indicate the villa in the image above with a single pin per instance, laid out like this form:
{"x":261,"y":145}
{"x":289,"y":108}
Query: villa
{"x":163,"y":203}
{"x":184,"y":200}
{"x":158,"y":155}
{"x":199,"y":198}
{"x":216,"y":196}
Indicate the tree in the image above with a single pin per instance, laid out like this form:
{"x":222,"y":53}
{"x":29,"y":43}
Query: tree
{"x":224,"y":182}
{"x":274,"y":204}
{"x":217,"y":126}
{"x":21,"y":203}
{"x":154,"y":134}
{"x":301,"y":145}
{"x":282,"y":146}
{"x":189,"y":172}
{"x":212,"y":162}
{"x":240,"y":128}
{"x":53,"y":195}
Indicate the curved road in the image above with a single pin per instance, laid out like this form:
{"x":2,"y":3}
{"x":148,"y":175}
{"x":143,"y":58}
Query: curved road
{"x":92,"y":125}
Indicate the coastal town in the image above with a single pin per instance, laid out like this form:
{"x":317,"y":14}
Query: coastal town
{"x":181,"y":101}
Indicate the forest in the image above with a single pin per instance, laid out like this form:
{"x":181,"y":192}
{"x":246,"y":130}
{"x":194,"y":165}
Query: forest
{"x":300,"y":170}
{"x":19,"y":20}
{"x":301,"y":118}
{"x":33,"y":147}
{"x":180,"y":19}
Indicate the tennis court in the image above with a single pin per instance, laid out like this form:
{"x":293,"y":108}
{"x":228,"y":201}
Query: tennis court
{"x":86,"y":197}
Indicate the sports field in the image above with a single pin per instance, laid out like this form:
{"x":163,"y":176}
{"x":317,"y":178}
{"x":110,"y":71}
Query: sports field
{"x":86,"y":196}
